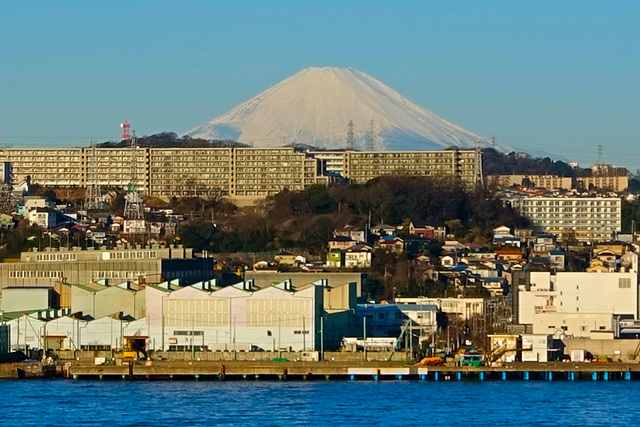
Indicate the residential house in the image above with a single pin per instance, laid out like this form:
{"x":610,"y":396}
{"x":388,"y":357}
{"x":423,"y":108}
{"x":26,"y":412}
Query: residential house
{"x":351,"y":232}
{"x":383,"y":230}
{"x":544,"y":243}
{"x":557,"y":259}
{"x":335,"y":259}
{"x":392,"y":244}
{"x":599,"y":266}
{"x":448,"y":261}
{"x":426,"y":231}
{"x":42,"y":217}
{"x":134,"y":226}
{"x":508,"y":254}
{"x":7,"y":222}
{"x":525,"y":234}
{"x":502,"y":230}
{"x":33,"y":202}
{"x":286,"y":258}
{"x":341,"y":243}
{"x":358,"y":256}
{"x":453,"y":246}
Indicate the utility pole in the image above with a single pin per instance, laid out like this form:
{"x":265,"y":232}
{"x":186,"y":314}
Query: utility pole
{"x":364,"y":336}
{"x":304,"y":332}
{"x":193,"y":331}
{"x":163,"y":323}
{"x":322,"y":337}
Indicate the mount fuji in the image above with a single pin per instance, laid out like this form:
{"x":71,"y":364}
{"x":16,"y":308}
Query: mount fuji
{"x":315,"y":106}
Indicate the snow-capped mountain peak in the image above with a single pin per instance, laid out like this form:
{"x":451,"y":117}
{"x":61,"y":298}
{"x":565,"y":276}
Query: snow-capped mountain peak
{"x":315,"y":106}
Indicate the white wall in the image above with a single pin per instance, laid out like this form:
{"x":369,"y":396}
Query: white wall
{"x":575,"y":293}
{"x":587,"y":325}
{"x":106,"y":331}
{"x":25,"y":299}
{"x":233,"y":318}
{"x":539,"y":346}
{"x":597,"y":293}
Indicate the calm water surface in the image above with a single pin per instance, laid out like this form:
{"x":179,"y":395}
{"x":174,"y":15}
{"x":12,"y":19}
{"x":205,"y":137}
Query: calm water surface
{"x":412,"y":403}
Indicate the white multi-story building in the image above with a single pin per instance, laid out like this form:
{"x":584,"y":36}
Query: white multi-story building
{"x":577,"y":303}
{"x":585,"y":219}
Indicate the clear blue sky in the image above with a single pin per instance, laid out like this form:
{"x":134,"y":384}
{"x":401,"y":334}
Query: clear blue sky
{"x":562,"y":77}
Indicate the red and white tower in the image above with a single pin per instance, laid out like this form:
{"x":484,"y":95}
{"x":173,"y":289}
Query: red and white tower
{"x":125,"y":129}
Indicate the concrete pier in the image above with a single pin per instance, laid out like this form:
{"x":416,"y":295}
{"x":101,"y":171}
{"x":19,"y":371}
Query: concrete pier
{"x":370,"y":371}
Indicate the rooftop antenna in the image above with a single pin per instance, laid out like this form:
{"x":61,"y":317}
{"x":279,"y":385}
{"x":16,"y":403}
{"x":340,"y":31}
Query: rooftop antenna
{"x":133,"y":204}
{"x":350,"y":135}
{"x":493,"y":142}
{"x":92,"y":195}
{"x":372,"y":136}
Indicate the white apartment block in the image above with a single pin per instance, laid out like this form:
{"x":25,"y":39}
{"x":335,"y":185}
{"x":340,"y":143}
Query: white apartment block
{"x":587,"y":219}
{"x":577,"y":303}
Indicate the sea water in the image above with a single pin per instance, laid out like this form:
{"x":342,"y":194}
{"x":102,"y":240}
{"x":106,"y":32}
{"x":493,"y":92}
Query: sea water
{"x":341,"y":403}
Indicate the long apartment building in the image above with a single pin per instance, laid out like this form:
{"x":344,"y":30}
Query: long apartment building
{"x":603,"y":177}
{"x":239,"y":173}
{"x":166,"y":172}
{"x":73,"y":167}
{"x":586,"y":219}
{"x":362,"y":166}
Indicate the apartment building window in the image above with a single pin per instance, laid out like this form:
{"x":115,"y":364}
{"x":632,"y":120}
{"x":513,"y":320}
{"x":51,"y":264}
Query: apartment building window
{"x":624,"y":283}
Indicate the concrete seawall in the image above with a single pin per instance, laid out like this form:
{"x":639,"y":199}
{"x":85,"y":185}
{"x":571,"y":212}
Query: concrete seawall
{"x":349,"y":371}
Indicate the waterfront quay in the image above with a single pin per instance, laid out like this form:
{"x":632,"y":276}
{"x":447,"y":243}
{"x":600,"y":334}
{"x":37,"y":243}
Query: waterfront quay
{"x":327,"y":371}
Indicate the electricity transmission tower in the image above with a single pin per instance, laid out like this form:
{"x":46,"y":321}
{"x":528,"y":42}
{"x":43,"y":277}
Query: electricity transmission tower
{"x":133,"y":204}
{"x":350,"y":135}
{"x":479,"y":178}
{"x":92,"y":195}
{"x":372,"y":140}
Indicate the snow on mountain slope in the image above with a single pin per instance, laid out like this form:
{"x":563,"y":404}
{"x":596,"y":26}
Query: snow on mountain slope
{"x":315,"y":105}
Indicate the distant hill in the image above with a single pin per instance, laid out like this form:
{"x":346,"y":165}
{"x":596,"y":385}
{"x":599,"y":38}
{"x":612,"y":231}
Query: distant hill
{"x":172,"y":140}
{"x":496,"y":163}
